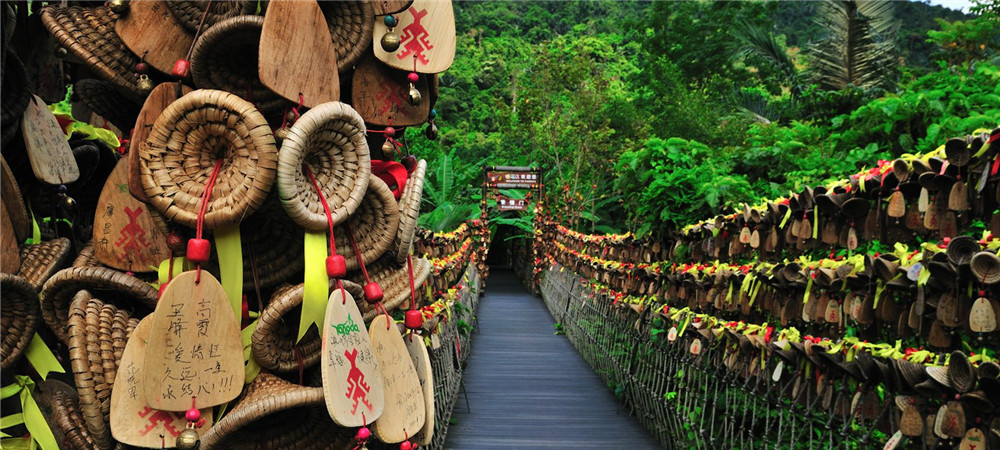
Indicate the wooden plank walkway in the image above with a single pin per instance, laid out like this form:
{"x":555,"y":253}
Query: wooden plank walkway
{"x":528,"y":388}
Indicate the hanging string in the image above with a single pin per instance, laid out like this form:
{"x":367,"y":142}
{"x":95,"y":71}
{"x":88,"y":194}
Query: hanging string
{"x":197,"y":32}
{"x":357,"y":252}
{"x":413,"y":289}
{"x":329,"y":222}
{"x":203,"y":209}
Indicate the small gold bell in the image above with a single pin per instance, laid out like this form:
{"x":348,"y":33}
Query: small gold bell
{"x":145,"y":85}
{"x":388,"y":148}
{"x":432,"y":131}
{"x":414,"y":96}
{"x":390,"y":42}
{"x":187,"y":440}
{"x":60,"y":52}
{"x":118,"y":6}
{"x":280,"y":135}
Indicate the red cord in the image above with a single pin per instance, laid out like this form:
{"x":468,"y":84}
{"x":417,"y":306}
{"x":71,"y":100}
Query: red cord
{"x":203,"y":209}
{"x":326,"y":209}
{"x":413,"y":289}
{"x":357,"y":252}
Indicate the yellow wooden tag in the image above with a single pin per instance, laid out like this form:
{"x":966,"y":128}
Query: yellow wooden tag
{"x":422,"y":362}
{"x":404,"y":412}
{"x":194,"y":346}
{"x":51,"y":158}
{"x":352,"y":381}
{"x":125,"y":236}
{"x":426,"y":33}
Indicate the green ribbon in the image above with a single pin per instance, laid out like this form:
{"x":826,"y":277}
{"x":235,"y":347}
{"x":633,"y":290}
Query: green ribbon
{"x":230,"y":249}
{"x":815,"y":222}
{"x":784,"y":220}
{"x":41,"y":358}
{"x":809,"y":286}
{"x":317,"y":283}
{"x":32,"y":417}
{"x":252,"y":366}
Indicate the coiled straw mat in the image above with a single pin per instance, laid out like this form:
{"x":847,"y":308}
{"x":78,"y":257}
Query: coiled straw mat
{"x":225,"y":58}
{"x":181,"y":151}
{"x":330,"y":140}
{"x":374,"y":225}
{"x":351,"y":27}
{"x":98,"y":333}
{"x":18,"y":316}
{"x":89,"y":35}
{"x":395,"y":283}
{"x":40,"y":261}
{"x":189,"y":13}
{"x":273,"y":341}
{"x":109,"y":285}
{"x":409,"y":212}
{"x":273,"y":413}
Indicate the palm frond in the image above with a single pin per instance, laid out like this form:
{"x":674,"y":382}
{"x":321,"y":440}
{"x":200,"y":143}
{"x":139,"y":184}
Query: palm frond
{"x":858,"y":49}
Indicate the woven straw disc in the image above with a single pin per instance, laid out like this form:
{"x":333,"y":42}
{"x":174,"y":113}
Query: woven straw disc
{"x":273,"y":341}
{"x":110,"y":285}
{"x":40,"y":261}
{"x":409,"y":212}
{"x":272,"y":245}
{"x":180,"y":153}
{"x":225,"y":57}
{"x":98,"y":333}
{"x":330,"y":140}
{"x":395,"y":283}
{"x":374,"y":225}
{"x":189,"y":13}
{"x":273,"y":413}
{"x":985,"y":267}
{"x":18,"y":316}
{"x":89,"y":35}
{"x":351,"y":28}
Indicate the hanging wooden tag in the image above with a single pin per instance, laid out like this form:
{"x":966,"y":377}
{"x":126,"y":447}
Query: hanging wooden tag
{"x":913,"y":317}
{"x":974,"y":439}
{"x":931,"y":218}
{"x":427,"y":37}
{"x":911,"y":423}
{"x":158,"y":99}
{"x":422,"y":362}
{"x":832,"y":314}
{"x":755,"y":239}
{"x":893,"y":441}
{"x":902,"y":324}
{"x":386,"y":7}
{"x":939,"y":422}
{"x":982,"y":318}
{"x":351,"y":378}
{"x":866,"y":310}
{"x":132,"y":421}
{"x":923,"y":200}
{"x":125,"y":236}
{"x":888,"y":310}
{"x":958,"y":200}
{"x":194,"y":347}
{"x":48,"y":150}
{"x":947,"y":310}
{"x":897,"y":205}
{"x":10,"y":254}
{"x":695,"y":347}
{"x":151,"y":31}
{"x":930,"y":435}
{"x":404,"y":412}
{"x":995,"y":223}
{"x":745,"y":235}
{"x":953,"y":425}
{"x":948,"y":227}
{"x":297,"y":55}
{"x":937,"y":337}
{"x":380,"y":94}
{"x":913,"y":220}
{"x":772,"y":241}
{"x":672,"y":334}
{"x":852,"y":239}
{"x":870,"y":228}
{"x":805,"y":229}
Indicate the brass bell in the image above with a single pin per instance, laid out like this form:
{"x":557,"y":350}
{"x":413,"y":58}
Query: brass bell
{"x":414,"y":96}
{"x":187,"y":440}
{"x":118,"y":6}
{"x":388,"y":148}
{"x":432,"y":131}
{"x":145,"y":85}
{"x":280,"y":135}
{"x":390,"y":42}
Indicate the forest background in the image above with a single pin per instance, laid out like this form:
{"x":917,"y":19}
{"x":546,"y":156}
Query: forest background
{"x":647,"y":116}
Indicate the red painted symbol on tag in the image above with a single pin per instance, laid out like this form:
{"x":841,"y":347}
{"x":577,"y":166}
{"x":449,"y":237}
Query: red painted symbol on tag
{"x":155,"y":417}
{"x":133,"y":237}
{"x":414,"y":38}
{"x":391,"y":97}
{"x":358,"y":389}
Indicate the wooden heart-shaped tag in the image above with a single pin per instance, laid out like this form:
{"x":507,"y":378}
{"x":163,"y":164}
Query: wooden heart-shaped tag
{"x":132,"y":421}
{"x":426,"y":33}
{"x":953,"y":425}
{"x":150,"y":30}
{"x":947,"y":310}
{"x":195,"y":348}
{"x":755,"y":239}
{"x":948,"y":227}
{"x":829,"y":234}
{"x":982,"y":317}
{"x":158,"y":99}
{"x":404,"y":413}
{"x":745,"y":235}
{"x":931,"y":218}
{"x":974,"y":439}
{"x":421,"y":361}
{"x":297,"y":55}
{"x":888,"y":310}
{"x":48,"y":150}
{"x":923,"y":200}
{"x":852,"y":239}
{"x":805,"y":229}
{"x":911,"y":423}
{"x":695,"y":347}
{"x":832,"y":314}
{"x":897,"y":205}
{"x":380,"y":94}
{"x":958,"y":199}
{"x":125,"y":236}
{"x":937,"y":337}
{"x":351,"y":377}
{"x":866,"y":311}
{"x":913,"y":219}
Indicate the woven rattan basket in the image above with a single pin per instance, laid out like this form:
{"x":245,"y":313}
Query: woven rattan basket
{"x":60,"y":405}
{"x":102,"y":98}
{"x":19,"y":317}
{"x":40,"y":261}
{"x":395,"y":283}
{"x":273,"y":413}
{"x":374,"y":225}
{"x":273,"y":341}
{"x":86,"y":257}
{"x":15,"y":95}
{"x":180,"y":154}
{"x":109,"y":285}
{"x":351,"y":28}
{"x":225,"y":58}
{"x":409,"y":212}
{"x":272,"y":246}
{"x":189,"y":13}
{"x":330,"y":140}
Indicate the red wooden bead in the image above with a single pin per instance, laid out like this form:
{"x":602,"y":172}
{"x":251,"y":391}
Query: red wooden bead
{"x":198,"y":250}
{"x":414,"y":319}
{"x":373,"y":293}
{"x":182,"y":68}
{"x":406,"y":445}
{"x":192,"y":415}
{"x":336,"y":266}
{"x":413,"y":77}
{"x":363,"y":434}
{"x":390,"y":132}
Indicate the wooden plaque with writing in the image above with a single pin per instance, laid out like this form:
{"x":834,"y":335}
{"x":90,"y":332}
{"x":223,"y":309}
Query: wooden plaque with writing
{"x":351,"y":380}
{"x":194,"y":346}
{"x":404,"y":412}
{"x":51,"y":158}
{"x":159,"y":98}
{"x":381,"y":95}
{"x":125,"y":236}
{"x":151,"y":31}
{"x":132,"y":421}
{"x":427,"y":37}
{"x":422,"y":362}
{"x":297,"y":53}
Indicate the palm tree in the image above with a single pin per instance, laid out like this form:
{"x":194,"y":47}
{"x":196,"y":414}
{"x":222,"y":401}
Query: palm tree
{"x":858,"y":50}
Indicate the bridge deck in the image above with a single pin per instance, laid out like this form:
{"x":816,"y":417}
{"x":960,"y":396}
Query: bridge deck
{"x":528,"y":388}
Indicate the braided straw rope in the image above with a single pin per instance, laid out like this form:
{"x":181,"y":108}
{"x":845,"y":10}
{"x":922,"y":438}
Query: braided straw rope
{"x":409,"y":212}
{"x":274,"y":413}
{"x":395,"y":283}
{"x":374,"y":225}
{"x":351,"y":28}
{"x":40,"y":261}
{"x":111,"y":285}
{"x":225,"y":57}
{"x":89,"y":35}
{"x":330,"y":139}
{"x":18,"y":316}
{"x":189,"y":12}
{"x":179,"y":156}
{"x":273,"y":341}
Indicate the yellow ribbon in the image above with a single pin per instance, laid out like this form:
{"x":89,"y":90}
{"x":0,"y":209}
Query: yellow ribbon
{"x":252,"y":366}
{"x":784,"y":220}
{"x":317,"y":284}
{"x":230,"y":249}
{"x":41,"y":357}
{"x":34,"y":421}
